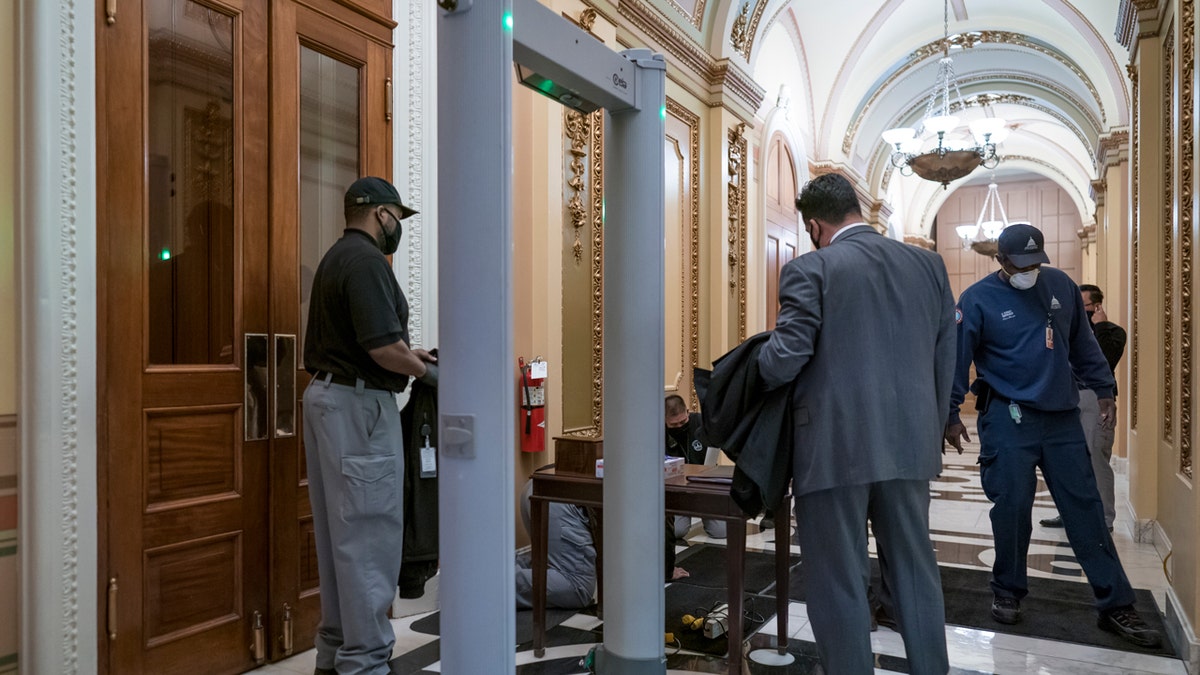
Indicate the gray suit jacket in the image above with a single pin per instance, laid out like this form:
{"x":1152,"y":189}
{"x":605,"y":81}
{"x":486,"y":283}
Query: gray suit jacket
{"x":866,"y":337}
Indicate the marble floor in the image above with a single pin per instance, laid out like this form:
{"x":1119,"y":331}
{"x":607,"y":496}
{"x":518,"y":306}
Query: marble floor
{"x":961,"y":531}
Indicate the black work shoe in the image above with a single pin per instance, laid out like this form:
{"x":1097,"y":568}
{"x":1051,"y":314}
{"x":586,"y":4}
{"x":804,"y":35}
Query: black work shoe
{"x":1056,"y":521}
{"x":1006,"y":610}
{"x":1126,"y":622}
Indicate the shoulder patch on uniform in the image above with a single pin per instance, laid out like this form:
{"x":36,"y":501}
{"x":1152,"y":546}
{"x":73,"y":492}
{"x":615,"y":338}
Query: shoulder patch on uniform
{"x":957,"y":315}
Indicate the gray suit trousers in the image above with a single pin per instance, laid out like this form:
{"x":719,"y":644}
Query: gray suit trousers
{"x":831,"y":526}
{"x":1100,"y":446}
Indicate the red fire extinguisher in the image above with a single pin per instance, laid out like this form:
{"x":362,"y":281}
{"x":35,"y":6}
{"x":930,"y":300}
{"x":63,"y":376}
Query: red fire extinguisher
{"x":531,"y":392}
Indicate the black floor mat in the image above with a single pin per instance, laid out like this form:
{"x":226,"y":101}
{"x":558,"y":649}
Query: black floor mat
{"x":1053,"y":610}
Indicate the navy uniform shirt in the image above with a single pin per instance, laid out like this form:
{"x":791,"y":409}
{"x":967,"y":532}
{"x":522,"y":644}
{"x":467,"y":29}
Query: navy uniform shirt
{"x":1003,"y":331}
{"x":356,"y":306}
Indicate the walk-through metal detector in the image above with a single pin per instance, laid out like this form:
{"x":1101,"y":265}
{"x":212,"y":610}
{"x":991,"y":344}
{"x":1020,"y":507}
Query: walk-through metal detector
{"x":479,"y":42}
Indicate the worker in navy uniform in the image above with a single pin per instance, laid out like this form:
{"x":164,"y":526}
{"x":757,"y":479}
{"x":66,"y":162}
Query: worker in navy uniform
{"x":1026,"y":331}
{"x":356,"y":347}
{"x":1111,"y":338}
{"x":685,"y":438}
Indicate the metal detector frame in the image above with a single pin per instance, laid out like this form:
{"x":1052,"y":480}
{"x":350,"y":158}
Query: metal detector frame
{"x":478,"y":45}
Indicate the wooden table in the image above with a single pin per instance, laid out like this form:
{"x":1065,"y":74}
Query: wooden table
{"x":681,"y":497}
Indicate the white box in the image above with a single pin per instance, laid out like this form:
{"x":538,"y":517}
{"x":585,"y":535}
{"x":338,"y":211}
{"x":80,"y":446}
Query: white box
{"x":672,"y":466}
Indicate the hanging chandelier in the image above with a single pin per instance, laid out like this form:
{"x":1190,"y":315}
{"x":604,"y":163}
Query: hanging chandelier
{"x":983,"y":235}
{"x":950,"y":160}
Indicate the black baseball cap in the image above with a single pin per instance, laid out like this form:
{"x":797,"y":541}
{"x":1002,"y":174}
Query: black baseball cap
{"x":1023,"y":245}
{"x":375,"y":190}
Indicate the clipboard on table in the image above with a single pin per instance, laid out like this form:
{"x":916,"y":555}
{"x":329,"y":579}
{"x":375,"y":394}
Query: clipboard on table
{"x":722,"y":474}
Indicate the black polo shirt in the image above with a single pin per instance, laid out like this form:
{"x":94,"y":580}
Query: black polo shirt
{"x":356,"y":305}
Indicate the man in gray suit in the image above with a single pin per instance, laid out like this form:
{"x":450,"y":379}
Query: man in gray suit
{"x":865,"y":337}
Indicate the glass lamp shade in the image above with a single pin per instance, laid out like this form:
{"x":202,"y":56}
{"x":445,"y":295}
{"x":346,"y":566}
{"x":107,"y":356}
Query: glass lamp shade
{"x":966,"y":232}
{"x":999,"y":135}
{"x":941,"y":123}
{"x":898,"y":135}
{"x":984,"y":126}
{"x":991,"y":228}
{"x":911,"y":146}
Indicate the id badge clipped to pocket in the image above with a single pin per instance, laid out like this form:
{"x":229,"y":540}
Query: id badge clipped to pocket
{"x":428,"y":457}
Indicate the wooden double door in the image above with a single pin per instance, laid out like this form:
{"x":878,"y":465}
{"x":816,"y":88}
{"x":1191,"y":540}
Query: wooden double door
{"x":228,"y":132}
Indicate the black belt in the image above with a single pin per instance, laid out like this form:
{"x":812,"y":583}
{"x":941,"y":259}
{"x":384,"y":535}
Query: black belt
{"x":345,"y":380}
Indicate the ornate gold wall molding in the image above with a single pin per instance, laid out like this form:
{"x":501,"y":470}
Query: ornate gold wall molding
{"x":597,"y":218}
{"x":691,"y":344}
{"x":736,"y":202}
{"x":1168,"y":237}
{"x":1134,"y":137}
{"x":983,"y":100}
{"x":759,"y":7}
{"x":721,"y":79}
{"x":586,"y":20}
{"x":1187,"y":63}
{"x":576,"y":127}
{"x":583,"y":138}
{"x":739,"y":31}
{"x":1136,"y":18}
{"x":696,"y":18}
{"x":1111,"y":150}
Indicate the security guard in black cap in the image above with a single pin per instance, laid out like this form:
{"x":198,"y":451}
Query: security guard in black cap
{"x":356,"y":348}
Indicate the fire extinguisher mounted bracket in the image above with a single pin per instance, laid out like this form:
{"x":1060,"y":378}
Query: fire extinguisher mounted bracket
{"x":531,"y":385}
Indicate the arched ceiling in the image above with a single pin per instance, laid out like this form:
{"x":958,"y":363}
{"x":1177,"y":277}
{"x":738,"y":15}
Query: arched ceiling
{"x":1053,"y":69}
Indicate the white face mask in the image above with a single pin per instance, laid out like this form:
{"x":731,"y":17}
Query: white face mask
{"x":1024,"y":281}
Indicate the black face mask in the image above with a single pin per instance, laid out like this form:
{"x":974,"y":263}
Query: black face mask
{"x":814,"y":235}
{"x":391,"y":240}
{"x":679,"y":435}
{"x":1089,"y":314}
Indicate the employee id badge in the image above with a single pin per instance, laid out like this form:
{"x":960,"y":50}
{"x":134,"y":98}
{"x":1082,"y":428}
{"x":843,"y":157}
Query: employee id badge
{"x":1049,"y":334}
{"x":428,"y":460}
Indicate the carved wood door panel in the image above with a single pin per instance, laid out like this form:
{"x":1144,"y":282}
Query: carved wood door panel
{"x":203,"y":247}
{"x":330,"y":123}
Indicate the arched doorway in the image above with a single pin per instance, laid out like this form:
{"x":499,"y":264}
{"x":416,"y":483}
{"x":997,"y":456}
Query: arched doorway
{"x":779,"y":218}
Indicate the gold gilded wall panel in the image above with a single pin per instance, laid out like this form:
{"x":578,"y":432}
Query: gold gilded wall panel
{"x":736,"y":202}
{"x":582,"y":262}
{"x":1187,"y":64}
{"x":1134,"y":138}
{"x":1168,"y":238}
{"x":682,"y":290}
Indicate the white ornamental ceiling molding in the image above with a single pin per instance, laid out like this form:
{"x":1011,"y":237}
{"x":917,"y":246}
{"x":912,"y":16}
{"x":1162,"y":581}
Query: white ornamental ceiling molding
{"x":717,"y":75}
{"x":696,"y":16}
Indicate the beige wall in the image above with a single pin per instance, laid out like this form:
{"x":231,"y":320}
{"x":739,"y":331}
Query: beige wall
{"x":8,"y":343}
{"x":1041,"y":202}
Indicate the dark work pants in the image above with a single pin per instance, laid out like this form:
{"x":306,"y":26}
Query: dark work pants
{"x":1053,"y":441}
